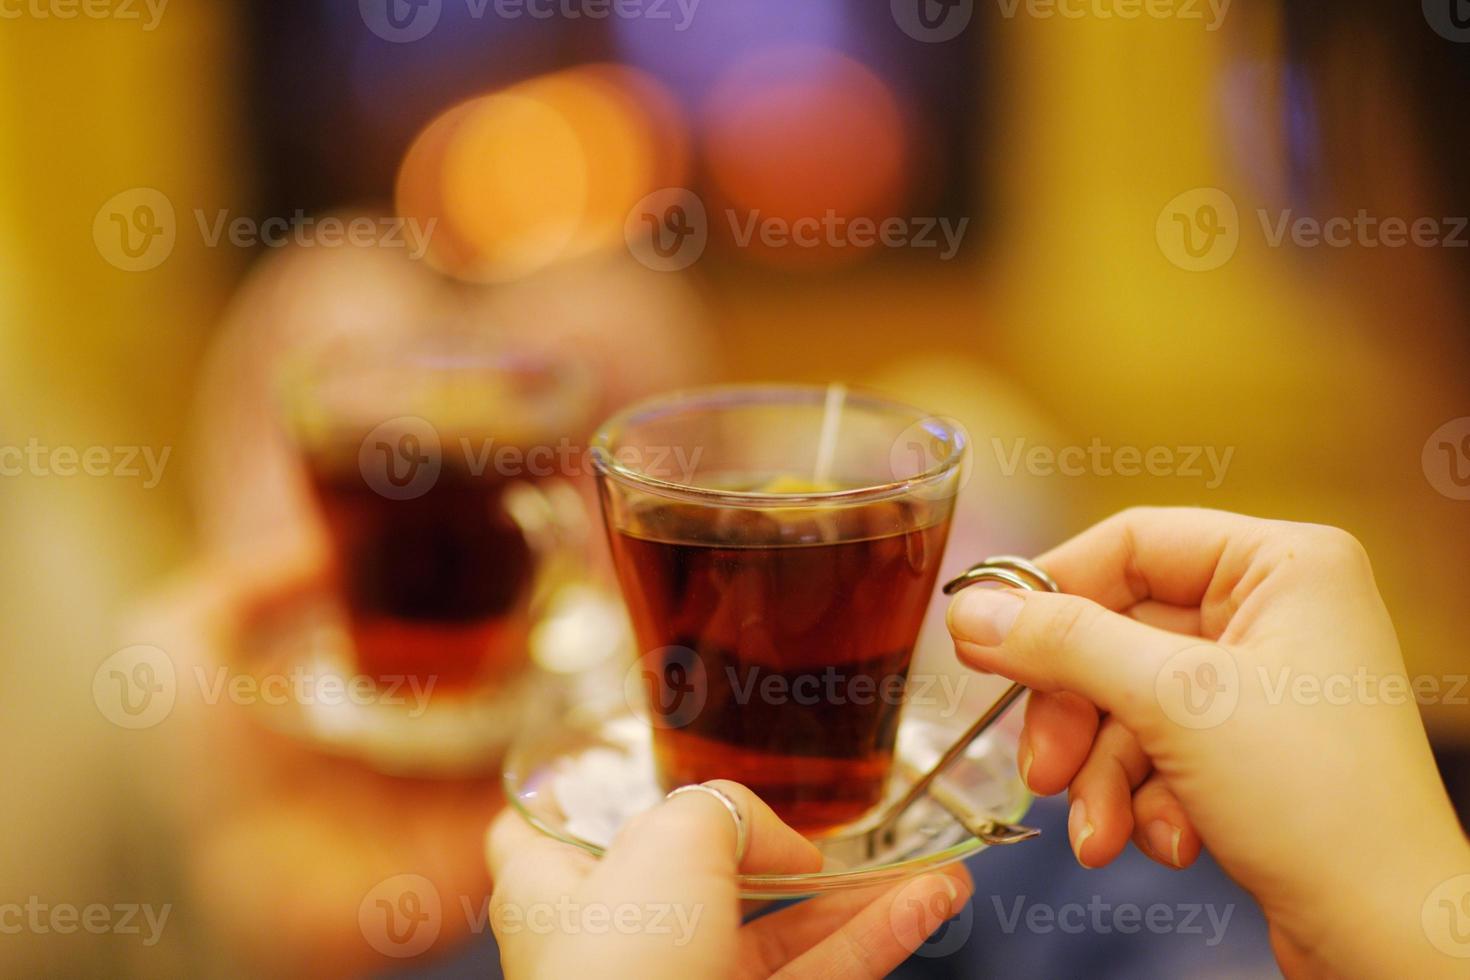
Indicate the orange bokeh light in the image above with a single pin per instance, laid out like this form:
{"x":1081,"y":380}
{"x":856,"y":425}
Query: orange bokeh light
{"x":543,"y":171}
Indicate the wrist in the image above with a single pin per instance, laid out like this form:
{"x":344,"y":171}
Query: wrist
{"x":1411,"y":917}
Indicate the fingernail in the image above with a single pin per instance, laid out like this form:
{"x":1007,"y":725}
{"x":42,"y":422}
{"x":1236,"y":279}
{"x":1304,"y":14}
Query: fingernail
{"x":1078,"y":829}
{"x":984,"y":616}
{"x":1164,"y":838}
{"x":1027,"y":758}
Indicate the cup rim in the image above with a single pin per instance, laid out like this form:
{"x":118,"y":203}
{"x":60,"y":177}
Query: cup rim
{"x":602,"y":453}
{"x":299,"y":381}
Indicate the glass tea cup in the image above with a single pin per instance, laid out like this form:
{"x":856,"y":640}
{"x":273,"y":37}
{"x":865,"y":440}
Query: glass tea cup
{"x":777,"y":547}
{"x":440,"y":469}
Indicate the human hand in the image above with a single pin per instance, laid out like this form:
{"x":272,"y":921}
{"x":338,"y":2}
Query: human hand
{"x":663,"y":902}
{"x":1217,"y":680}
{"x":281,"y":845}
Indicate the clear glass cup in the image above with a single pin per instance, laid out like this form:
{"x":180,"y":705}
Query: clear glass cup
{"x":440,"y":466}
{"x":777,"y":547}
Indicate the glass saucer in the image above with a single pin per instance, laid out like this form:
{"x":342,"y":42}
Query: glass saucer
{"x":580,"y":778}
{"x":297,"y":656}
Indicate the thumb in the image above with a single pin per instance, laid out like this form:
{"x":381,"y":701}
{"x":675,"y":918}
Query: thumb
{"x":1050,"y":641}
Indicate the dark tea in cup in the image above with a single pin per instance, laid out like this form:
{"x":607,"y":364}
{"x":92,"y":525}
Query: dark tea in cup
{"x":439,"y":520}
{"x":776,"y":615}
{"x":437,"y":585}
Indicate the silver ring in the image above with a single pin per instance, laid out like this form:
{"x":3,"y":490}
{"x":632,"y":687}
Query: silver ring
{"x":742,"y":837}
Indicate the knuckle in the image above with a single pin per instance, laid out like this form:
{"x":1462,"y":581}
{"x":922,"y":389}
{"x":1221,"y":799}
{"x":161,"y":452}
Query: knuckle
{"x":1064,"y":623}
{"x":1336,"y":547}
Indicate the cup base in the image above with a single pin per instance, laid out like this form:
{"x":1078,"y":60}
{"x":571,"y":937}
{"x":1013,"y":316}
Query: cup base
{"x":579,"y":778}
{"x":399,"y":725}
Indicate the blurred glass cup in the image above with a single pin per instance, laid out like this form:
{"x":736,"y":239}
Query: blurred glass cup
{"x":441,"y":466}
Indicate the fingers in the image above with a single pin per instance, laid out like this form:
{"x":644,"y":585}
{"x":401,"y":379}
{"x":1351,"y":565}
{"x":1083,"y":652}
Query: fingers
{"x":884,"y":932}
{"x":527,"y":866}
{"x":694,"y":832}
{"x":1161,"y":829}
{"x":1053,"y":642}
{"x":1058,"y":734}
{"x":772,"y":941}
{"x":683,"y":851}
{"x":1101,"y":815}
{"x":1184,"y":620}
{"x":1171,"y":554}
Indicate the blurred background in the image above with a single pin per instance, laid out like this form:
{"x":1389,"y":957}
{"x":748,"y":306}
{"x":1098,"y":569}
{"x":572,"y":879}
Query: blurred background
{"x":1229,"y":241}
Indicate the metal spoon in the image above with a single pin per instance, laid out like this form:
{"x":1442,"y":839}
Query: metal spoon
{"x":1017,"y":573}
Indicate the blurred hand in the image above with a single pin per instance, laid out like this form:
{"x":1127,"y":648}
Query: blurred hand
{"x":663,"y":902}
{"x":281,"y":845}
{"x":1169,"y":699}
